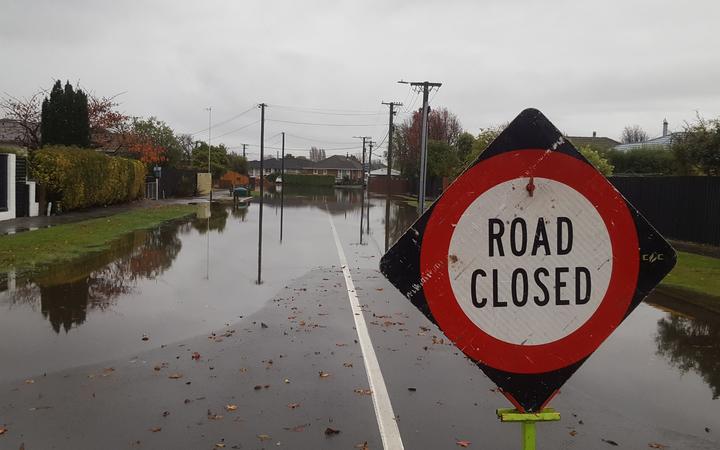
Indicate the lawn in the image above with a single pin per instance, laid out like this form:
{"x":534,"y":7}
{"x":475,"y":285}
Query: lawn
{"x":696,"y":274}
{"x":26,"y":250}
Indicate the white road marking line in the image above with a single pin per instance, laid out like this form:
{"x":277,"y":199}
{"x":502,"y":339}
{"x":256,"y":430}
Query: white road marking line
{"x":389,"y":432}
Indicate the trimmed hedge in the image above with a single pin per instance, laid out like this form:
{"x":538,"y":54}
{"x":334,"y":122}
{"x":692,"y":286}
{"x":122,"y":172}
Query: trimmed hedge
{"x":80,"y":178}
{"x":308,"y":180}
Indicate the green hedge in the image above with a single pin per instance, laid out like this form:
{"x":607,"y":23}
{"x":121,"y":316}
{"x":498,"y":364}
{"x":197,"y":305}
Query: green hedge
{"x":80,"y":178}
{"x":308,"y":180}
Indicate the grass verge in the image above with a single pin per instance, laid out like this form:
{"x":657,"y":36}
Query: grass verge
{"x":695,"y":278}
{"x":29,"y":249}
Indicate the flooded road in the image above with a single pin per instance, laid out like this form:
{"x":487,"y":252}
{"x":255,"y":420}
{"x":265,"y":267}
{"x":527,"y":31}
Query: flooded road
{"x":152,"y":289}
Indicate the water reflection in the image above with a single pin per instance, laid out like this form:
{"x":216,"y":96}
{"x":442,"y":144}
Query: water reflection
{"x":67,"y":292}
{"x":691,"y":343}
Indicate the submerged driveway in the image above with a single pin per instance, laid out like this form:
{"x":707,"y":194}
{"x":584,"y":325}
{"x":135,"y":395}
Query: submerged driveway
{"x":231,"y":364}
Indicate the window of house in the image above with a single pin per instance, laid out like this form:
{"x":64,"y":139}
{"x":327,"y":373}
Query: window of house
{"x":315,"y":172}
{"x":324,"y":171}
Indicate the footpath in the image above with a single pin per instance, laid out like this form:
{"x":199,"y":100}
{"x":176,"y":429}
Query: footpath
{"x":22,"y":224}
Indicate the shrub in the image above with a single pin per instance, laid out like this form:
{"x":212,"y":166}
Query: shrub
{"x":80,"y":178}
{"x":308,"y":180}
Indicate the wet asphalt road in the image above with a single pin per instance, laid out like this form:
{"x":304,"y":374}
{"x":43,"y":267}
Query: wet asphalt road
{"x":291,"y":375}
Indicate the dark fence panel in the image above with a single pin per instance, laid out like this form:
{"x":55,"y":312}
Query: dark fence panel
{"x":22,"y":200}
{"x":177,"y":182}
{"x":683,"y":208}
{"x":3,"y":183}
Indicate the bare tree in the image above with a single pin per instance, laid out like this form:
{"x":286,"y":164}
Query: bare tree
{"x":26,"y":113}
{"x":316,"y":154}
{"x":633,"y":134}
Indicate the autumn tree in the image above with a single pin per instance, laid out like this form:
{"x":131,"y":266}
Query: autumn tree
{"x":26,"y":112}
{"x":443,"y":126}
{"x":64,"y":117}
{"x":633,"y":134}
{"x":153,"y":142}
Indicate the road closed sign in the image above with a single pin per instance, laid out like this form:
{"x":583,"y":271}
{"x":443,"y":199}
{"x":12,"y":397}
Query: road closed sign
{"x":529,"y":261}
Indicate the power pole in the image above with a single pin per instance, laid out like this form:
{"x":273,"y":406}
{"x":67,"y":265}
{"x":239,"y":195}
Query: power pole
{"x":364,"y":139}
{"x":262,"y":188}
{"x":244,"y":145}
{"x":209,"y":110}
{"x":388,"y":180}
{"x":282,"y":186}
{"x":426,"y":86}
{"x":371,"y":143}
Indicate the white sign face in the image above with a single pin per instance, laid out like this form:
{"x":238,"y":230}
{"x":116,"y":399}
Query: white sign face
{"x":530,"y":270}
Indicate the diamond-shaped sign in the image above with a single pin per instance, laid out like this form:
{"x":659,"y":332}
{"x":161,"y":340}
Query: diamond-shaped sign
{"x":529,"y":261}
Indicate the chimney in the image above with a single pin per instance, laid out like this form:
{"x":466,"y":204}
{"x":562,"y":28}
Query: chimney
{"x":594,"y":133}
{"x":665,"y":127}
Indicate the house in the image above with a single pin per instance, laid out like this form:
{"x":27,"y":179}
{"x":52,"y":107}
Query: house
{"x":664,"y":141}
{"x":338,"y":166}
{"x":596,"y":142}
{"x":341,"y":167}
{"x":273,"y":165}
{"x":12,"y":134}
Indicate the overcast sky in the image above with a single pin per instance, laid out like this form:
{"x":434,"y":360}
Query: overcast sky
{"x":589,"y":66}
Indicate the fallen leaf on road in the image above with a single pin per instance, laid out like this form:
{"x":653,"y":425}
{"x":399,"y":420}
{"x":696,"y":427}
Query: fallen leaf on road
{"x":363,"y":391}
{"x":573,"y":433}
{"x":219,"y":445}
{"x":286,"y":381}
{"x":3,"y":430}
{"x":175,"y":376}
{"x":297,"y":428}
{"x":156,"y":429}
{"x":196,"y":356}
{"x":608,"y":441}
{"x":145,"y":337}
{"x":323,"y":374}
{"x":264,"y":437}
{"x":293,"y":405}
{"x":29,"y":381}
{"x":463,"y":444}
{"x":231,"y":407}
{"x":656,"y":445}
{"x":363,"y":446}
{"x":412,"y":389}
{"x":331,"y":431}
{"x":347,"y":364}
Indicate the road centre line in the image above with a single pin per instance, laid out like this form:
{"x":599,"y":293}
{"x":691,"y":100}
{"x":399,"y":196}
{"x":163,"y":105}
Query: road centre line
{"x":389,"y":432}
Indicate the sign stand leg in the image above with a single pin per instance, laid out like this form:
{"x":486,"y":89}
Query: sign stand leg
{"x":528,"y":431}
{"x":527,"y":421}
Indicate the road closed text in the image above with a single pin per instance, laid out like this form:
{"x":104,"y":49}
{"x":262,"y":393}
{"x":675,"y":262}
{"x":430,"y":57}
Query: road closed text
{"x":558,"y":285}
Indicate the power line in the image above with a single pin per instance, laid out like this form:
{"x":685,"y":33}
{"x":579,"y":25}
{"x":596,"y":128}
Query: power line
{"x":341,"y":111}
{"x":225,"y":121}
{"x":314,"y":111}
{"x":325,"y":124}
{"x":238,"y":129}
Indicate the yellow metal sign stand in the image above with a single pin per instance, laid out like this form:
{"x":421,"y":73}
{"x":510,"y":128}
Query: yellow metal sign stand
{"x":528,"y":422}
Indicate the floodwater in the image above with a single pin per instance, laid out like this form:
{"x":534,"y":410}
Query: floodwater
{"x":190,"y":277}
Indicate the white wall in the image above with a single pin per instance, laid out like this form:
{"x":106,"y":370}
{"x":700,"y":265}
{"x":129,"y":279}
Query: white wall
{"x":34,"y":209}
{"x":10,"y":213}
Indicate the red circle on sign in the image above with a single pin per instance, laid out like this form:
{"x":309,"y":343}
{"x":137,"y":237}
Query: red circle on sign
{"x":446,"y":213}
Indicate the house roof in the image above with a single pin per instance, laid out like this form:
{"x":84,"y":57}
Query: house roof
{"x":291,"y":163}
{"x":662,"y":141}
{"x":338,"y":162}
{"x":333,"y":162}
{"x":601,"y":143}
{"x":383,"y":172}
